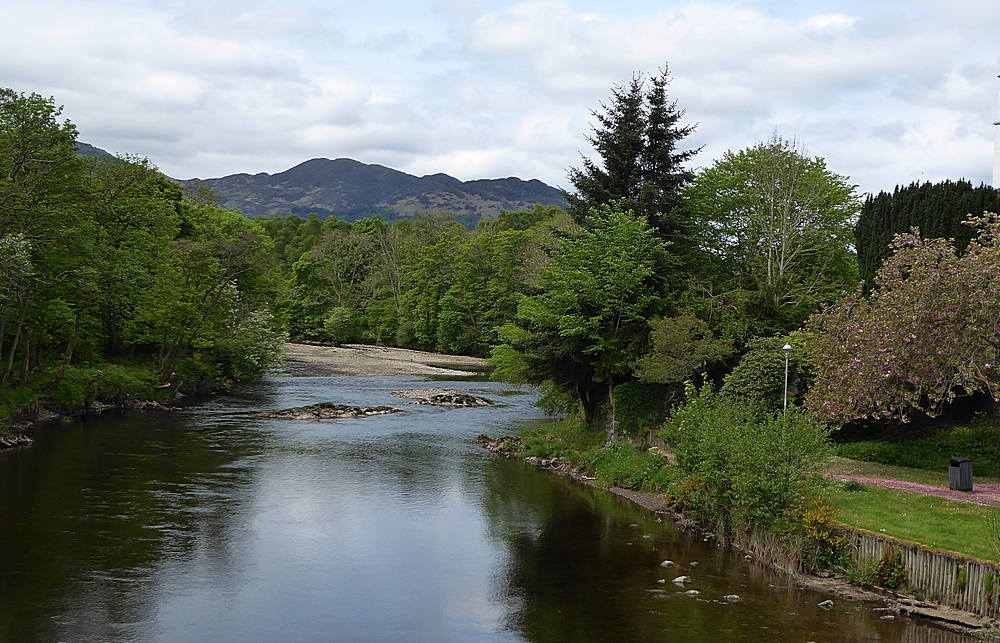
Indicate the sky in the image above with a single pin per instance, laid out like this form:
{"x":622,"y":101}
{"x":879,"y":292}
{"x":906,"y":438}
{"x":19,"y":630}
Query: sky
{"x":887,"y":92}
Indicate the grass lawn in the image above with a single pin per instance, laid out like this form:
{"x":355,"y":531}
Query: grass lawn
{"x":931,"y":521}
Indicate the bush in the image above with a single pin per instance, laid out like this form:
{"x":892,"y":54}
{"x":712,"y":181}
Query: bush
{"x":83,"y":385}
{"x":623,"y":465}
{"x":342,"y":325}
{"x":640,"y":406}
{"x":759,"y":378}
{"x":741,"y":463}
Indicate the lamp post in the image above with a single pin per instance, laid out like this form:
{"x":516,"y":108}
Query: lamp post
{"x":787,"y":350}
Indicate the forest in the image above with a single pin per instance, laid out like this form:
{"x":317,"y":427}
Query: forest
{"x":114,"y":281}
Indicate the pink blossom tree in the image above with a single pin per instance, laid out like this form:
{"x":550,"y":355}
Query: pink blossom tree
{"x":927,"y":333}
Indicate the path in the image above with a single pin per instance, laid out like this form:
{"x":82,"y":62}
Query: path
{"x":982,"y":494}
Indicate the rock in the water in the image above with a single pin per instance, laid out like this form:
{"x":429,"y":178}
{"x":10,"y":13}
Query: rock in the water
{"x":827,"y":604}
{"x":328,"y":411}
{"x":508,"y":446}
{"x":692,"y":592}
{"x":732,"y":598}
{"x":442,"y":397}
{"x":662,"y":580}
{"x":693,"y":563}
{"x":681,"y":580}
{"x":14,"y":440}
{"x":667,"y":563}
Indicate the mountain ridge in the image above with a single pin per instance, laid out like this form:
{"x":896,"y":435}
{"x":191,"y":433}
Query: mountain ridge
{"x":350,"y":189}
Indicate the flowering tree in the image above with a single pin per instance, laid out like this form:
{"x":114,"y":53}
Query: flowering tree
{"x":927,"y":333}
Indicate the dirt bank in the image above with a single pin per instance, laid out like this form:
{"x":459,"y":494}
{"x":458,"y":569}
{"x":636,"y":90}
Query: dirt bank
{"x":362,"y":359}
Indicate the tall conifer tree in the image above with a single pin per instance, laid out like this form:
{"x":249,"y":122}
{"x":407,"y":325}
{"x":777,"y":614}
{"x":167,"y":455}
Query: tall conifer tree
{"x":637,"y":138}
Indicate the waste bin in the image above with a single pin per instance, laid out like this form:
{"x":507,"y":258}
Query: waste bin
{"x":960,"y":474}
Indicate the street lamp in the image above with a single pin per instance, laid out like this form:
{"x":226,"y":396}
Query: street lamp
{"x":787,"y":350}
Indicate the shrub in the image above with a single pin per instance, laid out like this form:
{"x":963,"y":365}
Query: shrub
{"x":623,"y":465}
{"x":749,"y":465}
{"x":759,"y":378}
{"x":82,"y":385}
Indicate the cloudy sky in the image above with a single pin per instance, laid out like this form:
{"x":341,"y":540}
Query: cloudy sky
{"x":888,"y":92}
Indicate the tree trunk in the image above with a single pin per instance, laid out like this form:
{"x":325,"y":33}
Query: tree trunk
{"x":13,"y":348}
{"x":612,"y":419}
{"x":70,"y":347}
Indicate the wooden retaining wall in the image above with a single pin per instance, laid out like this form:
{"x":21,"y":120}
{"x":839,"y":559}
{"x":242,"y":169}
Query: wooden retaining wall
{"x":944,"y":577}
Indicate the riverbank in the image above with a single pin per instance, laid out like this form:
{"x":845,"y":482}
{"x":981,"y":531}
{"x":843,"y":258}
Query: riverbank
{"x":834,"y":584}
{"x":135,"y":393}
{"x":366,"y":360}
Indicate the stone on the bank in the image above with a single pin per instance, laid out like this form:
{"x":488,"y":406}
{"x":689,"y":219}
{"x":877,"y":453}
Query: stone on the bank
{"x":732,"y":598}
{"x":827,"y":604}
{"x":693,"y":563}
{"x":667,"y":563}
{"x":692,"y":592}
{"x":327,"y":411}
{"x":681,"y":580}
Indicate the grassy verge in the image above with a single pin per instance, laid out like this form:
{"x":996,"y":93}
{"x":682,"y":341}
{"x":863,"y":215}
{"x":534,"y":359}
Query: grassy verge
{"x":928,"y":520}
{"x":979,"y":441}
{"x":936,"y":477}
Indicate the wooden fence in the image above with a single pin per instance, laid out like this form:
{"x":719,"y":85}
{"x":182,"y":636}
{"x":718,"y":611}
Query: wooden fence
{"x":944,"y":577}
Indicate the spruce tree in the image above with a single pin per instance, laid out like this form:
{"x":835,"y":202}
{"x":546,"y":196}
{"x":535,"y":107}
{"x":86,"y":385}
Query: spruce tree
{"x":636,"y":138}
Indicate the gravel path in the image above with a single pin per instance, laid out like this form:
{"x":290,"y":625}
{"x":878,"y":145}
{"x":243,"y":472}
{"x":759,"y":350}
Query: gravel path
{"x":982,"y":494}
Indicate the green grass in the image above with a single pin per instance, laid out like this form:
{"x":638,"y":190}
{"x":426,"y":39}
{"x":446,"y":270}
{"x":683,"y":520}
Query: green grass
{"x":931,"y":521}
{"x":979,"y":441}
{"x":937,"y":477}
{"x":565,"y":439}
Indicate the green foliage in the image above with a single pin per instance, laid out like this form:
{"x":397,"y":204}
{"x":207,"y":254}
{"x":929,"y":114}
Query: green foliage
{"x":889,"y":571}
{"x":759,"y":378}
{"x":623,"y":465}
{"x":104,"y":260}
{"x":588,"y":325}
{"x":567,"y":439}
{"x":776,"y":226}
{"x":341,"y":325}
{"x":937,"y":210}
{"x":737,"y":462}
{"x":853,"y":486}
{"x":109,"y":383}
{"x":637,"y":138}
{"x":979,"y":441}
{"x":640,"y":406}
{"x":682,"y":347}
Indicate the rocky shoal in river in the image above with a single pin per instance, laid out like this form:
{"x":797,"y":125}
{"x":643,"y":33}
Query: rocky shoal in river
{"x":444,"y":397}
{"x":327,"y":411}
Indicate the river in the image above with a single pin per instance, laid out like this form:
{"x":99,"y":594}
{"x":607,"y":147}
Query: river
{"x":212,"y":524}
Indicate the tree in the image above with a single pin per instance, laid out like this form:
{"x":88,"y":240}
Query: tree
{"x":777,"y":224}
{"x":589,"y":324}
{"x":682,"y":347}
{"x":936,"y":209}
{"x":636,"y":139}
{"x":926,"y":334}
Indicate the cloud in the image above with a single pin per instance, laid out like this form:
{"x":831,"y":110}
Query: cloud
{"x":478,"y":88}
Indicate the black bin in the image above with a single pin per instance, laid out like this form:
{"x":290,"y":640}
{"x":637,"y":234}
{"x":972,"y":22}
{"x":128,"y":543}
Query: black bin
{"x":960,"y":474}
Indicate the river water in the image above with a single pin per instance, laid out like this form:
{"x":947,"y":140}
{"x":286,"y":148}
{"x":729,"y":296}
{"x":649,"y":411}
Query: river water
{"x":211,"y":524}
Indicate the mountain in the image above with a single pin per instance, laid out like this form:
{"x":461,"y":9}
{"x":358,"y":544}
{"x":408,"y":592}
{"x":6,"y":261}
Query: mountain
{"x":86,"y":149}
{"x":350,"y":190}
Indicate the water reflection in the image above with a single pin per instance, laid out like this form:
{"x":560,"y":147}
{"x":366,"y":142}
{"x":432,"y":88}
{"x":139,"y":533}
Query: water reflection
{"x":214,"y":524}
